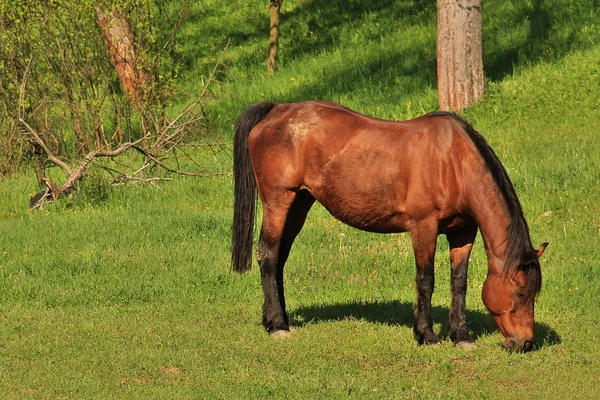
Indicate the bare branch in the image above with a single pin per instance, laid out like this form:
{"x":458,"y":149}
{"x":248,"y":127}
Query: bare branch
{"x":119,"y":150}
{"x":166,"y":167}
{"x":202,"y":94}
{"x":180,"y":18}
{"x":51,"y":157}
{"x":162,"y":145}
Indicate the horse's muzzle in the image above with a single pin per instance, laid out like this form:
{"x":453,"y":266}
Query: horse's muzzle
{"x":518,"y":345}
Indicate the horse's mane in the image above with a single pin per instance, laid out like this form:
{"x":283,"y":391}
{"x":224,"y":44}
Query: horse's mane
{"x":519,"y":247}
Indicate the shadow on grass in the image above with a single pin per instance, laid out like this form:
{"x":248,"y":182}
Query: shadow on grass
{"x":545,"y":31}
{"x":402,"y":314}
{"x":318,"y":26}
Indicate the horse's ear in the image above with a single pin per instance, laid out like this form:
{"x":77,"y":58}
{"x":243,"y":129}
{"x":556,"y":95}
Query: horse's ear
{"x":533,"y":256}
{"x":541,"y":249}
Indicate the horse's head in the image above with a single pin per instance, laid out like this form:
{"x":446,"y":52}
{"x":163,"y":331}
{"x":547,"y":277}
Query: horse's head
{"x":510,"y":299}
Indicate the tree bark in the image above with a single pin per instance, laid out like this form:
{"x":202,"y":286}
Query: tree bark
{"x":274,"y":7}
{"x":459,"y":53}
{"x":120,"y":41}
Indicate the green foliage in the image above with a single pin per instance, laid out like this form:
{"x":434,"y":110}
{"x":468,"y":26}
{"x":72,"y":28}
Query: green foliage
{"x":59,"y":54}
{"x":94,"y":189}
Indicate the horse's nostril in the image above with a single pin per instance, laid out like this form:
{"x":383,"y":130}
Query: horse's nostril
{"x":509,"y":344}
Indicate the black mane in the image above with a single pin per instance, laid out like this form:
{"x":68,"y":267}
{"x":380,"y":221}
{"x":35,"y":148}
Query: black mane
{"x":518,"y":240}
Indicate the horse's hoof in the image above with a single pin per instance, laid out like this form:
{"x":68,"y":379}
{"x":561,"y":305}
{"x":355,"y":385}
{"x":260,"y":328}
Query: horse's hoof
{"x":466,"y":345}
{"x":281,"y":334}
{"x":429,"y":339}
{"x":293,"y":330}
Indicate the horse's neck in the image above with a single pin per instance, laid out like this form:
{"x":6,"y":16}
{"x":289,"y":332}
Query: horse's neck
{"x":491,"y":213}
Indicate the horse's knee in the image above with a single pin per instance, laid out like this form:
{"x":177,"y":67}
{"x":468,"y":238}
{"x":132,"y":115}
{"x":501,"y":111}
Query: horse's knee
{"x":265,"y":255}
{"x":261,"y":255}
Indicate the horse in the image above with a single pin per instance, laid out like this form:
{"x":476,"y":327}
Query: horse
{"x":428,"y":176}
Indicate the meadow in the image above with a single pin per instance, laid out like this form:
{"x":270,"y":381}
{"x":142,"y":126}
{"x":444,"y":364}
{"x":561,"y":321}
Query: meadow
{"x":126,"y":291}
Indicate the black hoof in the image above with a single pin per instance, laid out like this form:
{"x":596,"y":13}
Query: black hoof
{"x":281,"y":334}
{"x":431,"y":341}
{"x":461,"y":337}
{"x":465,"y":345}
{"x":428,"y":338}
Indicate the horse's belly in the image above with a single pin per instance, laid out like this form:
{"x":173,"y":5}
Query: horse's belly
{"x":395,"y":224}
{"x":367,"y":216}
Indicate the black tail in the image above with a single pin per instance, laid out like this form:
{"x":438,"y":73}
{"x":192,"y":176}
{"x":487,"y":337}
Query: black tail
{"x":244,"y":185}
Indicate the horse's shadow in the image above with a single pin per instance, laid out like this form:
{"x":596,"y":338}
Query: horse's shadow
{"x":402,"y":314}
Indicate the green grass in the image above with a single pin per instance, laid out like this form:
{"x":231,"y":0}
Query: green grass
{"x":125,"y":292}
{"x":376,"y":57}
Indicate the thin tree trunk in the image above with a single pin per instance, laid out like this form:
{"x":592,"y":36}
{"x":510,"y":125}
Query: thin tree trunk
{"x":119,"y":38}
{"x":459,"y":53}
{"x":274,"y":6}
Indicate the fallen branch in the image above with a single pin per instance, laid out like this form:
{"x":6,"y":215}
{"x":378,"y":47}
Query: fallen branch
{"x":158,"y":146}
{"x":51,"y":157}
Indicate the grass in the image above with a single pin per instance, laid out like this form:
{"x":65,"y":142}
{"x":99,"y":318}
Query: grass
{"x":125,"y":292}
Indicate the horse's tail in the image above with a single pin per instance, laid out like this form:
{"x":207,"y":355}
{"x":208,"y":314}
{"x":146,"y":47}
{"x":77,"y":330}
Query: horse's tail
{"x":244,"y":187}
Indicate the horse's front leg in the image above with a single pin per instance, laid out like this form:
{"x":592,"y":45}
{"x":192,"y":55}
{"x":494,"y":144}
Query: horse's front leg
{"x":424,"y":238}
{"x":461,"y":244}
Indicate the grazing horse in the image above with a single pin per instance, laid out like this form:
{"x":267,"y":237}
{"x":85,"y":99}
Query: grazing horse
{"x":428,"y":176}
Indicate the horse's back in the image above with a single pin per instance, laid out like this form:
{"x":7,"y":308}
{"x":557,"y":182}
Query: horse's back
{"x":373,"y":174}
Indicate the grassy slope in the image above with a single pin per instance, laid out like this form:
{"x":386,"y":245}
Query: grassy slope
{"x":131,"y":297}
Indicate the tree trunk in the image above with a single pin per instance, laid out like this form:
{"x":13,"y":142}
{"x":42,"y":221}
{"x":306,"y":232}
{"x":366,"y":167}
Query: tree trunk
{"x":459,"y":53}
{"x":274,"y":7}
{"x":120,"y":41}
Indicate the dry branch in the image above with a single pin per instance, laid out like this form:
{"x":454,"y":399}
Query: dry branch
{"x":51,"y":157}
{"x":158,"y":147}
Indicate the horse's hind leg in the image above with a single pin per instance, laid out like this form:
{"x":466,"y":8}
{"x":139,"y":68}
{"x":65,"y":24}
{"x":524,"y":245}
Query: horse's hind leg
{"x":424,"y":238}
{"x":283,"y":219}
{"x":461,"y":244}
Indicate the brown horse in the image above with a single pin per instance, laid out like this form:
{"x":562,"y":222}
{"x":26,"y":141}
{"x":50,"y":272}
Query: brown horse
{"x":429,"y":176}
